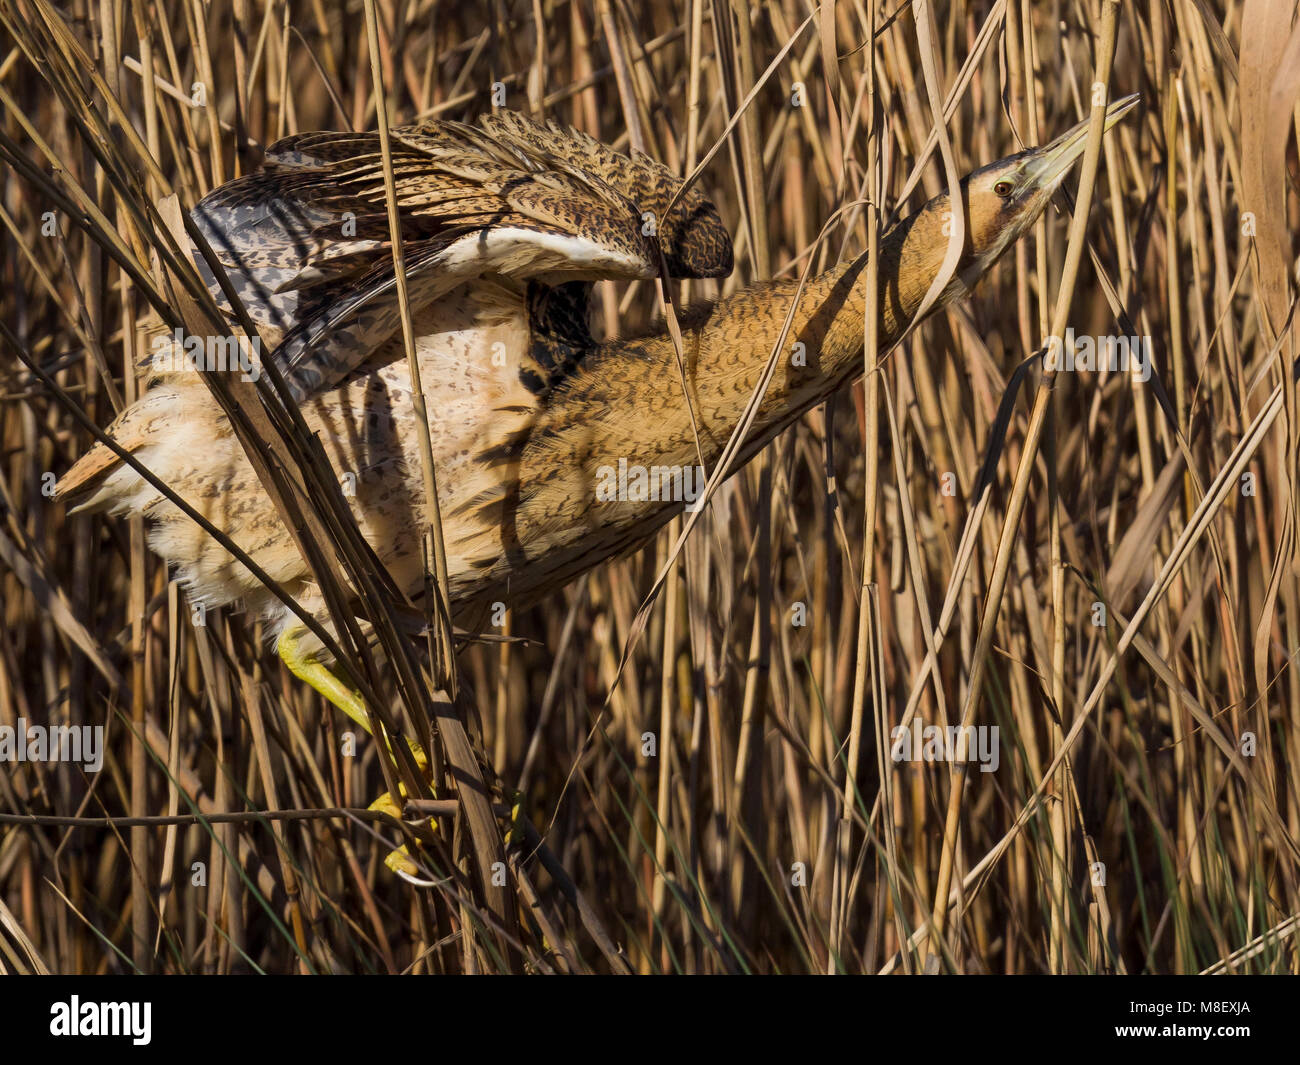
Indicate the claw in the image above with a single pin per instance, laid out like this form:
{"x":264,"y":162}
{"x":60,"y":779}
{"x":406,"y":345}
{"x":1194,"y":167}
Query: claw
{"x":400,"y":862}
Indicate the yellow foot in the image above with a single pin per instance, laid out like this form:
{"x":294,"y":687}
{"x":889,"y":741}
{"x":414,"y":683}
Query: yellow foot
{"x":307,"y":667}
{"x":400,"y":861}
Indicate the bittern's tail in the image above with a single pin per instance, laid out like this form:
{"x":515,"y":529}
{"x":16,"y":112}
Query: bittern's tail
{"x":87,"y":472}
{"x":90,"y":484}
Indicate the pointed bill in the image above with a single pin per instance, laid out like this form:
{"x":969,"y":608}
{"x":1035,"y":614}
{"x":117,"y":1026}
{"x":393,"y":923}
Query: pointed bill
{"x":1053,"y":161}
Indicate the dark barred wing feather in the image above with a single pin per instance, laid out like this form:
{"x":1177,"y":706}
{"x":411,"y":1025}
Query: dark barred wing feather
{"x":306,"y":245}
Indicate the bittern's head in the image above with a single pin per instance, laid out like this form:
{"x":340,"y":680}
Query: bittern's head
{"x":1002,"y":200}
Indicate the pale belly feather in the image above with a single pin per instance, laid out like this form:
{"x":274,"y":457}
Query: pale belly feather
{"x":468,"y":346}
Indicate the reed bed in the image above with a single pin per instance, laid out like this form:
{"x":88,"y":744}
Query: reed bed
{"x":1101,"y":567}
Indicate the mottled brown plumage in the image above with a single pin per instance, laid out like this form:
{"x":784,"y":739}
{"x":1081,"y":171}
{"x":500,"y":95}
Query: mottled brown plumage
{"x":504,"y":225}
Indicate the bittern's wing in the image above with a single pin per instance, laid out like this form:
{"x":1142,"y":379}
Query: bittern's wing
{"x":306,"y":245}
{"x":691,"y":234}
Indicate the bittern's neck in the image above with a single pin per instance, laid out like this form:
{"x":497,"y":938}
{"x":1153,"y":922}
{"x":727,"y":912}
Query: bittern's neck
{"x":824,"y":346}
{"x":629,"y":394}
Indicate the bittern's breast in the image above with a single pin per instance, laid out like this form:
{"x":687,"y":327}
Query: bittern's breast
{"x":469,"y":349}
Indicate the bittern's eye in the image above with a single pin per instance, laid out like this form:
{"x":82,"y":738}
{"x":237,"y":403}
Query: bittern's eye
{"x":1003,"y":188}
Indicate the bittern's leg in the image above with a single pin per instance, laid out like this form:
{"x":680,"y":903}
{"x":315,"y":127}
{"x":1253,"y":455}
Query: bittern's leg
{"x":307,"y":667}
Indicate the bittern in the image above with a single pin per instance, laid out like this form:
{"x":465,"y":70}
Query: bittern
{"x":504,"y":226}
